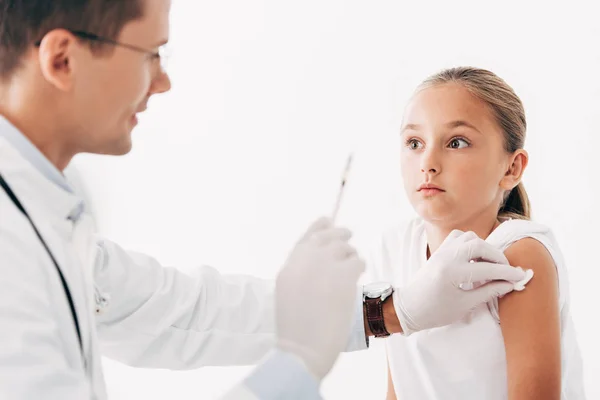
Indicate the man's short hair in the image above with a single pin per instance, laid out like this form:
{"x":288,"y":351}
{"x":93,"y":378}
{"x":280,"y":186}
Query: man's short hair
{"x":24,"y":22}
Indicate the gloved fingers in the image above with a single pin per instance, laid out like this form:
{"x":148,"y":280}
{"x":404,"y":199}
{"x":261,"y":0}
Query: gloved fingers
{"x":330,"y":235}
{"x":457,"y":237}
{"x":455,"y":234}
{"x":354,"y":265}
{"x":341,"y":249}
{"x":489,"y":291}
{"x":486,"y":271}
{"x":478,"y":249}
{"x":317,"y":226}
{"x":467,"y":236}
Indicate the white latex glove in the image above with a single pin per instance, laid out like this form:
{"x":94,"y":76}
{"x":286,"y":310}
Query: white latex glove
{"x":315,"y":296}
{"x":433,"y":298}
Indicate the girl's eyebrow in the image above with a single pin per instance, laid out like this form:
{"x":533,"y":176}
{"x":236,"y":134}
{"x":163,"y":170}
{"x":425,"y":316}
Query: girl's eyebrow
{"x":451,"y":125}
{"x":460,"y":123}
{"x":412,"y":127}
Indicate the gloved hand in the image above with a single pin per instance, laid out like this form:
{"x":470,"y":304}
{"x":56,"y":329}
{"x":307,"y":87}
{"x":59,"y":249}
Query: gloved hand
{"x":315,"y":296}
{"x":433,"y":298}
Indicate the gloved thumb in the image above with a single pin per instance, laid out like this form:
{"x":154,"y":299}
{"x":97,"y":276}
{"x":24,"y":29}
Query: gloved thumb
{"x":489,"y":291}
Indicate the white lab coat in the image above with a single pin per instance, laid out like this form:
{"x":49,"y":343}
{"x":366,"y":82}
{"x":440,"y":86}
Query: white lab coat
{"x":154,"y":317}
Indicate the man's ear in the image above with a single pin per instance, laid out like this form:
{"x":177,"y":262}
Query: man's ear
{"x":517,"y":164}
{"x":56,"y":58}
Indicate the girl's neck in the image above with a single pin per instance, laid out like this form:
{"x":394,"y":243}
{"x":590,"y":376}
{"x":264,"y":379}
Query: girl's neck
{"x":436,"y":231}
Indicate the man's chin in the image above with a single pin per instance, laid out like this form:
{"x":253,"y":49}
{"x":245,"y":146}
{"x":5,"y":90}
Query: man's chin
{"x":123,"y":149}
{"x":115,"y":149}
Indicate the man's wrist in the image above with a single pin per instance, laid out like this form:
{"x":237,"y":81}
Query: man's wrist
{"x":392,"y":324}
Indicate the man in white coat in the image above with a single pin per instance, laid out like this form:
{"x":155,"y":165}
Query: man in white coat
{"x":73,"y":76}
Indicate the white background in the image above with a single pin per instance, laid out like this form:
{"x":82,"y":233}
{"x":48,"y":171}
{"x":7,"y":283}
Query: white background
{"x":269,"y":97}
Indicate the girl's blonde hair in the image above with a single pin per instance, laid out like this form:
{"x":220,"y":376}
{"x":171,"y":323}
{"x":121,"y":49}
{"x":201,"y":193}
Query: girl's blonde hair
{"x":509,"y":113}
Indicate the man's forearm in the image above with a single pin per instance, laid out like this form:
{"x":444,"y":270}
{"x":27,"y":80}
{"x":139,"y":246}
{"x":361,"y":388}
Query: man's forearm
{"x":392,"y":325}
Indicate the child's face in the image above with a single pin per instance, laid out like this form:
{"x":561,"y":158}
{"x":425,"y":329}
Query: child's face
{"x":451,"y":140}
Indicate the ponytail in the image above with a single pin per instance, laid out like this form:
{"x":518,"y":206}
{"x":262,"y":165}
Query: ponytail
{"x":516,"y":205}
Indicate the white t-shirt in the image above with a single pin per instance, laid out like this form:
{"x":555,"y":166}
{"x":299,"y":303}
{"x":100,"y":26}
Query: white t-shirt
{"x":465,"y":360}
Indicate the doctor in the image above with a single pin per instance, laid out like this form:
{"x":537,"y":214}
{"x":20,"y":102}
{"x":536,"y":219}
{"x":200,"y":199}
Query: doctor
{"x":73,"y":76}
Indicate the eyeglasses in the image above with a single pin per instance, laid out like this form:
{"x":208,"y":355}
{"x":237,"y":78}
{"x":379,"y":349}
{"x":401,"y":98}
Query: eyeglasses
{"x":161,"y":55}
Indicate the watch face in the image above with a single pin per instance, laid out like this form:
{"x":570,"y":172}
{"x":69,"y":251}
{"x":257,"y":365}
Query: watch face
{"x":377,"y":289}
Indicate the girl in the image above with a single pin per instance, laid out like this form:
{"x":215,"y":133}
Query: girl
{"x":462,"y":161}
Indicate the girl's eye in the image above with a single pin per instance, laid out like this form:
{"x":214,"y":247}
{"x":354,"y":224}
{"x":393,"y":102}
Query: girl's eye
{"x":413,"y":144}
{"x":458,"y":143}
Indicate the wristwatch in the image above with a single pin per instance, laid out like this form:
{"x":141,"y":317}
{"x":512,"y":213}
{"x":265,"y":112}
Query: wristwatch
{"x":374,"y":295}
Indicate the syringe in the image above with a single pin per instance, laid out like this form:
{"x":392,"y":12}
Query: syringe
{"x":341,"y":191}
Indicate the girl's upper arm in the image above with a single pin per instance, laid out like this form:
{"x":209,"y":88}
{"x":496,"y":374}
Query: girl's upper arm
{"x":530,"y":323}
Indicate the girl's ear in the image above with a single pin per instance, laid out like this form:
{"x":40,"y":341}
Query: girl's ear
{"x":518,"y":162}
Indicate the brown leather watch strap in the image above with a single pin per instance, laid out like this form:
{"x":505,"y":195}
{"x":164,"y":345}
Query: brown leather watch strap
{"x":374,"y":308}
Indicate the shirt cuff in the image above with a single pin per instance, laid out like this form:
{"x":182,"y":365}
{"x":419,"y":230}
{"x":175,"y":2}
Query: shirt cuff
{"x":283,"y":376}
{"x":358,"y":339}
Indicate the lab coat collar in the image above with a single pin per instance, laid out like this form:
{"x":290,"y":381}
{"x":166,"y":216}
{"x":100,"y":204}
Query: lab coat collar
{"x":34,"y":189}
{"x":31,"y":153}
